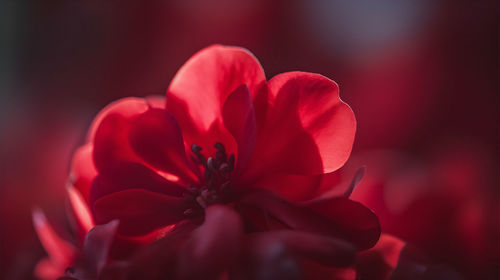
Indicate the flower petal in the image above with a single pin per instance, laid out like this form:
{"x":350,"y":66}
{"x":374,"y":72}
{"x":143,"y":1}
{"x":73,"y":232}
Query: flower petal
{"x":201,"y":86}
{"x":156,"y":137}
{"x":335,"y":184}
{"x":338,"y":217}
{"x":130,"y":175}
{"x":214,"y":246}
{"x":318,"y":126}
{"x":95,"y":251}
{"x":45,"y":269}
{"x":125,"y":107}
{"x":266,"y":259}
{"x":239,"y":119}
{"x":139,"y":211}
{"x":131,"y":130}
{"x":110,"y":132}
{"x":358,"y":223}
{"x":379,"y":261}
{"x":83,"y":171}
{"x":298,"y":188}
{"x":154,"y":261}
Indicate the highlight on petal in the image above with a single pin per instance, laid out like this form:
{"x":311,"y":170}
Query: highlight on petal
{"x":204,"y":82}
{"x":318,"y":126}
{"x":200,"y":88}
{"x":139,"y":211}
{"x":214,"y":246}
{"x":355,"y":221}
{"x":80,"y":210}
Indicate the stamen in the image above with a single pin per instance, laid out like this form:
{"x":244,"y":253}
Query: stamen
{"x":195,"y":149}
{"x":216,"y":178}
{"x":200,"y":158}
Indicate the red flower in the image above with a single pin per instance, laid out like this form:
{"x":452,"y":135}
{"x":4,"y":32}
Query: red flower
{"x":247,"y":156}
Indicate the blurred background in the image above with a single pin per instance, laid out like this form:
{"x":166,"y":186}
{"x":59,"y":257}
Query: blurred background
{"x":422,"y":77}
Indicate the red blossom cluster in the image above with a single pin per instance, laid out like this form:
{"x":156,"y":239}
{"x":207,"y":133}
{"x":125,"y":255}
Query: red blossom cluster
{"x":230,"y":176}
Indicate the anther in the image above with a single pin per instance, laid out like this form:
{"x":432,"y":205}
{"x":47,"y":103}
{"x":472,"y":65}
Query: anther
{"x":219,"y":147}
{"x":195,"y":148}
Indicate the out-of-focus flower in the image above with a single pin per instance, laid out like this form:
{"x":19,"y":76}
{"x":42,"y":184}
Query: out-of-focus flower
{"x":272,"y":149}
{"x":83,"y":260}
{"x":448,"y":208}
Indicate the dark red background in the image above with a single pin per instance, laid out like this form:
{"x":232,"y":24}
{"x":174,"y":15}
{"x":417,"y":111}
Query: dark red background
{"x":421,"y":76}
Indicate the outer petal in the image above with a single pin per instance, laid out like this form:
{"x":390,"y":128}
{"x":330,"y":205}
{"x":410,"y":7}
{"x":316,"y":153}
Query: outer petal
{"x":318,"y":126}
{"x":214,"y":247}
{"x":81,"y":211}
{"x":131,"y":175}
{"x":201,"y":86}
{"x":131,"y":130}
{"x":139,"y":211}
{"x":338,"y":217}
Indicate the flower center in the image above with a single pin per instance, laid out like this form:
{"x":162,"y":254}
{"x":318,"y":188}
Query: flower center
{"x":215,"y":181}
